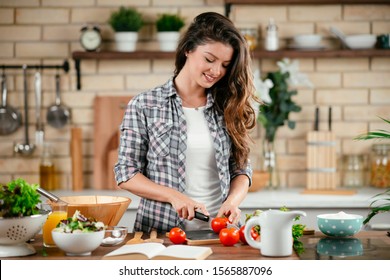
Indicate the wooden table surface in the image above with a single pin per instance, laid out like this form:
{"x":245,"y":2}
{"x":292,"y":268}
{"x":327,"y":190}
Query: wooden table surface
{"x":220,"y":252}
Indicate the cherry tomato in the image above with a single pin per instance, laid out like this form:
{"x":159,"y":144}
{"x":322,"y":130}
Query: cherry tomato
{"x":229,"y":236}
{"x":254,"y":234}
{"x":219,"y":223}
{"x":177,"y":235}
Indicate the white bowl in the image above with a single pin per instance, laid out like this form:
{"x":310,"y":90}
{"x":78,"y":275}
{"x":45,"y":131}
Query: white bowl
{"x":340,"y":224}
{"x":360,"y":41}
{"x":78,"y":243}
{"x":307,"y":40}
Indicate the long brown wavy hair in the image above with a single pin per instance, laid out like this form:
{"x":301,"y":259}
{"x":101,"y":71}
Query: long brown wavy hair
{"x":234,"y":93}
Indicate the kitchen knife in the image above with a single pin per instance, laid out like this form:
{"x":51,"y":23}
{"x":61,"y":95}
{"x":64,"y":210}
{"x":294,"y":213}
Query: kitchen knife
{"x":317,"y":119}
{"x":201,"y":216}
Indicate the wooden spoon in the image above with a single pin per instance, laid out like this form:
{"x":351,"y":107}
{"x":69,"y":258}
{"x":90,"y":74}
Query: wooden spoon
{"x":153,"y":237}
{"x":137,"y":238}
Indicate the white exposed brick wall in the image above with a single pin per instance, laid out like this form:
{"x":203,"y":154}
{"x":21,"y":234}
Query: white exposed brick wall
{"x":47,"y":31}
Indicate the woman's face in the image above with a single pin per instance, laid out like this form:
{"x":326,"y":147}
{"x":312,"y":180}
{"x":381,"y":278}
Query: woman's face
{"x":208,"y":63}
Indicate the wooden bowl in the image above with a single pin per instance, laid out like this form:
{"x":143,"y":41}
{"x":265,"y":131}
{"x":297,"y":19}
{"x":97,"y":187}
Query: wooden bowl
{"x":106,"y":209}
{"x":259,"y":180}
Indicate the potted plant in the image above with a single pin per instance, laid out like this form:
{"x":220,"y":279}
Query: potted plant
{"x":381,"y":202}
{"x":168,"y":28}
{"x":126,"y":22}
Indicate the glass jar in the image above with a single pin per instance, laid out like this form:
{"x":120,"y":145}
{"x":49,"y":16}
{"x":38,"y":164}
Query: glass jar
{"x":380,"y":166}
{"x":251,"y":36}
{"x":353,"y":169}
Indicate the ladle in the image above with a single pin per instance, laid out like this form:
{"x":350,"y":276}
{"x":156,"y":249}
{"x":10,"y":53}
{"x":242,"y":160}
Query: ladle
{"x":10,"y":118}
{"x":50,"y":195}
{"x":58,"y":115}
{"x":26,"y":148}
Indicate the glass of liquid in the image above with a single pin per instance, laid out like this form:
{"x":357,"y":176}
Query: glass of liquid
{"x":59,"y":211}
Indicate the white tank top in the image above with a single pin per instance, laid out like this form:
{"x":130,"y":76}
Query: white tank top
{"x":202,"y":180}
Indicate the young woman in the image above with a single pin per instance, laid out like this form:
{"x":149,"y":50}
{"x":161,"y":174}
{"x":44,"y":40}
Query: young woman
{"x":184,"y":145}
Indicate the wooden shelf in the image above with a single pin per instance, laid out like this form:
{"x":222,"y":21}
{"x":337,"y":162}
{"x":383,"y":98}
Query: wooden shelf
{"x":310,"y":2}
{"x":229,"y":3}
{"x":123,"y":55}
{"x":323,"y":53}
{"x":257,"y":54}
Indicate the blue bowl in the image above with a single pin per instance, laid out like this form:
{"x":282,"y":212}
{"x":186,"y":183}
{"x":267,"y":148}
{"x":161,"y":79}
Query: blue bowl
{"x":340,"y":224}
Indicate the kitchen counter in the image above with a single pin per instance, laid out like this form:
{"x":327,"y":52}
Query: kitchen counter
{"x":376,"y":245}
{"x":293,"y":198}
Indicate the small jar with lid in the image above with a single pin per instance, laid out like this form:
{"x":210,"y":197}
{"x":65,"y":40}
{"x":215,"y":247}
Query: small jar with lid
{"x":251,"y":36}
{"x":353,"y":170}
{"x":380,"y":165}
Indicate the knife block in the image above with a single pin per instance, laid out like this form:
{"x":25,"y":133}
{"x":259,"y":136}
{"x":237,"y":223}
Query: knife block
{"x":321,"y":160}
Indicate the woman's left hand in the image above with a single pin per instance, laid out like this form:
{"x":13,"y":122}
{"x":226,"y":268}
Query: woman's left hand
{"x":232,"y":212}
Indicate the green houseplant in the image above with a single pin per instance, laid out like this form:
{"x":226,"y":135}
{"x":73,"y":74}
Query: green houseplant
{"x":169,"y":22}
{"x":276,"y":107}
{"x":381,"y":201}
{"x":168,"y":27}
{"x":126,"y":22}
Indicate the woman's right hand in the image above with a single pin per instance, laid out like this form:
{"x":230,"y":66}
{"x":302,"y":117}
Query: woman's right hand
{"x":185,"y":206}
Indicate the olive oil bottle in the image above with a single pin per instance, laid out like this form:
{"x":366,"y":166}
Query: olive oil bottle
{"x":47,"y":170}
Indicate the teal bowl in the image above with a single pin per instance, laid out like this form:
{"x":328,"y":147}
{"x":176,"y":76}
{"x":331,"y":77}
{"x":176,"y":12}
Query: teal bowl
{"x":340,"y":247}
{"x":340,"y":224}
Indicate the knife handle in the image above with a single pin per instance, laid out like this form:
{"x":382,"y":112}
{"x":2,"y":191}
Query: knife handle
{"x":201,"y":216}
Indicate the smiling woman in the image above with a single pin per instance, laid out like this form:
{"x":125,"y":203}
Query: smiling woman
{"x":196,"y":158}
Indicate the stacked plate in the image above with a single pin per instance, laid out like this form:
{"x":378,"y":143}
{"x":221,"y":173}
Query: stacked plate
{"x":307,"y":41}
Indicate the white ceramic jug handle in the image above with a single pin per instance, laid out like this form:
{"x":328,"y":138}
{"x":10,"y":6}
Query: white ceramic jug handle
{"x":247,"y":232}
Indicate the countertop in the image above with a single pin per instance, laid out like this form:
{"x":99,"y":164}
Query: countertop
{"x":236,"y":252}
{"x":292,"y":198}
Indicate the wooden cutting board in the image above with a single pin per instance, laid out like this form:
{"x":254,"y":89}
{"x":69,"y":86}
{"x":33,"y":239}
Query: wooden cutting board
{"x":200,"y":237}
{"x":108,"y":115}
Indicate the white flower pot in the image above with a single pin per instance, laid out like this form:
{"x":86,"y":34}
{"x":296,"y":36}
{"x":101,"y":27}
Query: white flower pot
{"x":168,"y":40}
{"x":126,"y":41}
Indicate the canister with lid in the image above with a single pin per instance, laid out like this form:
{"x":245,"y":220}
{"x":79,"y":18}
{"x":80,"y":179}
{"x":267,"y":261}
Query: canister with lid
{"x":353,"y":170}
{"x":380,"y":165}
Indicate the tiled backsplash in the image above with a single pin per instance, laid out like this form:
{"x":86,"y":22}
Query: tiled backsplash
{"x":47,"y":31}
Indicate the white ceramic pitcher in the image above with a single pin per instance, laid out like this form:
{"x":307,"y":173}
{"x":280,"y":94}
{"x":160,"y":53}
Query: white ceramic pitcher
{"x":276,"y":232}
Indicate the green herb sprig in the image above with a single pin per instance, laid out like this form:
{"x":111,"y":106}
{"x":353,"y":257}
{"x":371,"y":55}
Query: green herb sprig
{"x":18,"y":199}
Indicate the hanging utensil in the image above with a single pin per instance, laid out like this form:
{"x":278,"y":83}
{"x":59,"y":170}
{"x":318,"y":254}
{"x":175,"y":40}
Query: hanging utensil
{"x":26,"y":148}
{"x":39,"y":132}
{"x":10,"y":118}
{"x":58,"y":115}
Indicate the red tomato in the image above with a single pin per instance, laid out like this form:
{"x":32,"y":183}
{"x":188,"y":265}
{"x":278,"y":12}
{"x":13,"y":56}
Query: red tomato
{"x":254,"y":234}
{"x":229,"y":236}
{"x":219,"y":223}
{"x":177,"y":235}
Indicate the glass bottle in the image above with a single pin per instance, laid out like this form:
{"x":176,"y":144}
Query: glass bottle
{"x":353,"y":171}
{"x":271,"y":39}
{"x":380,"y":166}
{"x":47,"y":170}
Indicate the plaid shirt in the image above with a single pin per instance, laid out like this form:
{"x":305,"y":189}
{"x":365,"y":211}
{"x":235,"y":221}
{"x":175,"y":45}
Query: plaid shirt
{"x":153,"y":142}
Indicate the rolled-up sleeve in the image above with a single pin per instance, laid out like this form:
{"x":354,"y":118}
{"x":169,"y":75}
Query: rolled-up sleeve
{"x":133,"y":144}
{"x":246,"y":170}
